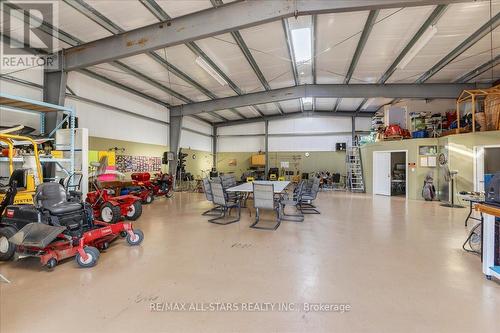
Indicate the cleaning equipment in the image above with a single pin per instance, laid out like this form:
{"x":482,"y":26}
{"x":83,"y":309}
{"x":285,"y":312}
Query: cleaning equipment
{"x":54,"y":228}
{"x":428,"y":190}
{"x":108,"y":207}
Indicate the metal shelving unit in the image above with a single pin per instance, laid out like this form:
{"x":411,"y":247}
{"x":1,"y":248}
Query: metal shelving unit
{"x":22,"y":104}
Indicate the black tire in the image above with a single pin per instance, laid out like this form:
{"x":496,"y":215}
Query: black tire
{"x":7,"y":249}
{"x":169,"y":194}
{"x":139,"y":237}
{"x":149,"y":199}
{"x":136,"y":211}
{"x":93,"y":254}
{"x":51,"y":263}
{"x":110,"y":213}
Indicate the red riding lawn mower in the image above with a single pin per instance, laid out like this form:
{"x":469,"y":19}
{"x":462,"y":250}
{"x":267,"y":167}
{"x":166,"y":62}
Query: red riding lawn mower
{"x":161,"y":185}
{"x":106,"y":205}
{"x":56,"y":227}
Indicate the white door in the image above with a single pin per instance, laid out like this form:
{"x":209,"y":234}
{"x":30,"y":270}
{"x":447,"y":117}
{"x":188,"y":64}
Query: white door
{"x":382,"y":173}
{"x":479,"y":169}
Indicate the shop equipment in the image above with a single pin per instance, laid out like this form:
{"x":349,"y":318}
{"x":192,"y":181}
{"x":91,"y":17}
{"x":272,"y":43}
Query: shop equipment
{"x":160,"y":185}
{"x":449,"y":176}
{"x":54,"y":228}
{"x":354,"y":165}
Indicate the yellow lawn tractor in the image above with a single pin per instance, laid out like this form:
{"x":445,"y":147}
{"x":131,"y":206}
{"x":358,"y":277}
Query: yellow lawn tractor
{"x":29,"y":176}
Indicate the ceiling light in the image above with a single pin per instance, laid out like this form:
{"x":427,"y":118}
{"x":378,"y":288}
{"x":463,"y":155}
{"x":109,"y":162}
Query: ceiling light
{"x":419,"y":45}
{"x":302,"y":45}
{"x":213,"y":73}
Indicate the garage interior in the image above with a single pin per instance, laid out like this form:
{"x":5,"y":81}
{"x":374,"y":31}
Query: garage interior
{"x":250,"y":166}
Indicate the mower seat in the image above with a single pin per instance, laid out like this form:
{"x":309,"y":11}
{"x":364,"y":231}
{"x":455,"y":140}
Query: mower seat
{"x":52,"y":197}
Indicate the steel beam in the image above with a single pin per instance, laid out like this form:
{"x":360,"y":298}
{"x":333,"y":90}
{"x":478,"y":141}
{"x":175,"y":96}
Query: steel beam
{"x":174,"y":142}
{"x":486,"y":28}
{"x":266,"y":147}
{"x":431,"y":20}
{"x":367,"y":29}
{"x":404,"y":90}
{"x":54,"y":91}
{"x":288,"y":37}
{"x":479,"y":70}
{"x":214,"y":148}
{"x":216,"y":21}
{"x":295,"y":115}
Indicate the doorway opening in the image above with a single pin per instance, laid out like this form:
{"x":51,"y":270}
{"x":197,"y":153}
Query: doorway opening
{"x":390,"y":173}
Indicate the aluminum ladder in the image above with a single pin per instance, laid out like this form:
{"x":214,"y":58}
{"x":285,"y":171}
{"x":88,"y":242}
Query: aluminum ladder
{"x":355,"y":181}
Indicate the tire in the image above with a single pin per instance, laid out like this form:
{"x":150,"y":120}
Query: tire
{"x":149,"y":199}
{"x":110,"y":213}
{"x":91,"y":261}
{"x":7,"y":249}
{"x":135,"y":212}
{"x":169,"y":194}
{"x":139,"y":237}
{"x":51,"y":263}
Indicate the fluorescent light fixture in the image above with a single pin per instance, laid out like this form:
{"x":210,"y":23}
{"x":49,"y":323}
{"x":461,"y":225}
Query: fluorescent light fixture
{"x":213,"y":73}
{"x":419,"y":45}
{"x":307,"y":100}
{"x":368,"y":103}
{"x":302,"y":45}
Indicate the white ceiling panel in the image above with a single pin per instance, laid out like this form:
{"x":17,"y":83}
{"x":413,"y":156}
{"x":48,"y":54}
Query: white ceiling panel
{"x":373,"y":104}
{"x":268,"y":109}
{"x":181,"y":57}
{"x":292,"y":105}
{"x":478,"y":54}
{"x":248,"y":111}
{"x":457,"y":24}
{"x":349,"y":104}
{"x":131,"y":81}
{"x":337,"y":37}
{"x":149,"y":67}
{"x":325,"y":103}
{"x":127,"y":15}
{"x":228,"y":114}
{"x":78,"y":25}
{"x":209,"y":117}
{"x":226,"y":54}
{"x":176,"y":8}
{"x":267,"y":43}
{"x":392,"y":31}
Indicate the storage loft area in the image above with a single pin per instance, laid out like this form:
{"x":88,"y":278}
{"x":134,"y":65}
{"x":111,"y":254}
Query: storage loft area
{"x":249,"y":166}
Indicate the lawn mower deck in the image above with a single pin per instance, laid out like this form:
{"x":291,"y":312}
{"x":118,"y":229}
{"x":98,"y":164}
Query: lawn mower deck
{"x":52,"y":246}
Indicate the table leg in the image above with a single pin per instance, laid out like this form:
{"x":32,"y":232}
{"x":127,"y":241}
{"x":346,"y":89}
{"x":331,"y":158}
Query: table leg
{"x":470,"y":212}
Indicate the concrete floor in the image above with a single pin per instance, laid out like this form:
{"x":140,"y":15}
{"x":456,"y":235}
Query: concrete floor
{"x":398,"y":265}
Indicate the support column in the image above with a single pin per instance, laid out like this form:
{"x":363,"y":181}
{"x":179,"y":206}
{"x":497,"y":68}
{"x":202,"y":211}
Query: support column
{"x":353,"y":129}
{"x":54,"y":91}
{"x":174,"y":142}
{"x":267,"y":147}
{"x":214,"y":148}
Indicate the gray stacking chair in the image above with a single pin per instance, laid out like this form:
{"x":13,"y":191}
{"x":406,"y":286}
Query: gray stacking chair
{"x":215,"y":211}
{"x":225,"y":205}
{"x":294,"y":201}
{"x":263,"y":198}
{"x":306,"y":205}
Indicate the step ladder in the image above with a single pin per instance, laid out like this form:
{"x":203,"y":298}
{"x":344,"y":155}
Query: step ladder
{"x":354,"y":166}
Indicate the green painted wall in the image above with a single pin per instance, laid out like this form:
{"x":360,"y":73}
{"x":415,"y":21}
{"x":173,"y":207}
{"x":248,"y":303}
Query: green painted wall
{"x":317,"y":161}
{"x":460,"y":155}
{"x":203,"y":160}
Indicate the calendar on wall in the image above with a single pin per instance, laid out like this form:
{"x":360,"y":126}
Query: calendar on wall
{"x":128,"y":163}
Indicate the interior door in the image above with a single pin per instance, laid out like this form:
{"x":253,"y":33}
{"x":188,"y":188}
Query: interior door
{"x":479,"y":169}
{"x":382,"y":173}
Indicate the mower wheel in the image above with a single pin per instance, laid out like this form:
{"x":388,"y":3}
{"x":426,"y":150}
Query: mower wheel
{"x":149,"y":199}
{"x":137,"y":239}
{"x":135,"y":211}
{"x":169,"y":194}
{"x":7,"y":249}
{"x":51,"y":263}
{"x":123,"y":234}
{"x":110,"y":213}
{"x":92,"y":256}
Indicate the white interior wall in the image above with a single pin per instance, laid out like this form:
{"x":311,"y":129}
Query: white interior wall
{"x":435,"y":106}
{"x":228,"y":141}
